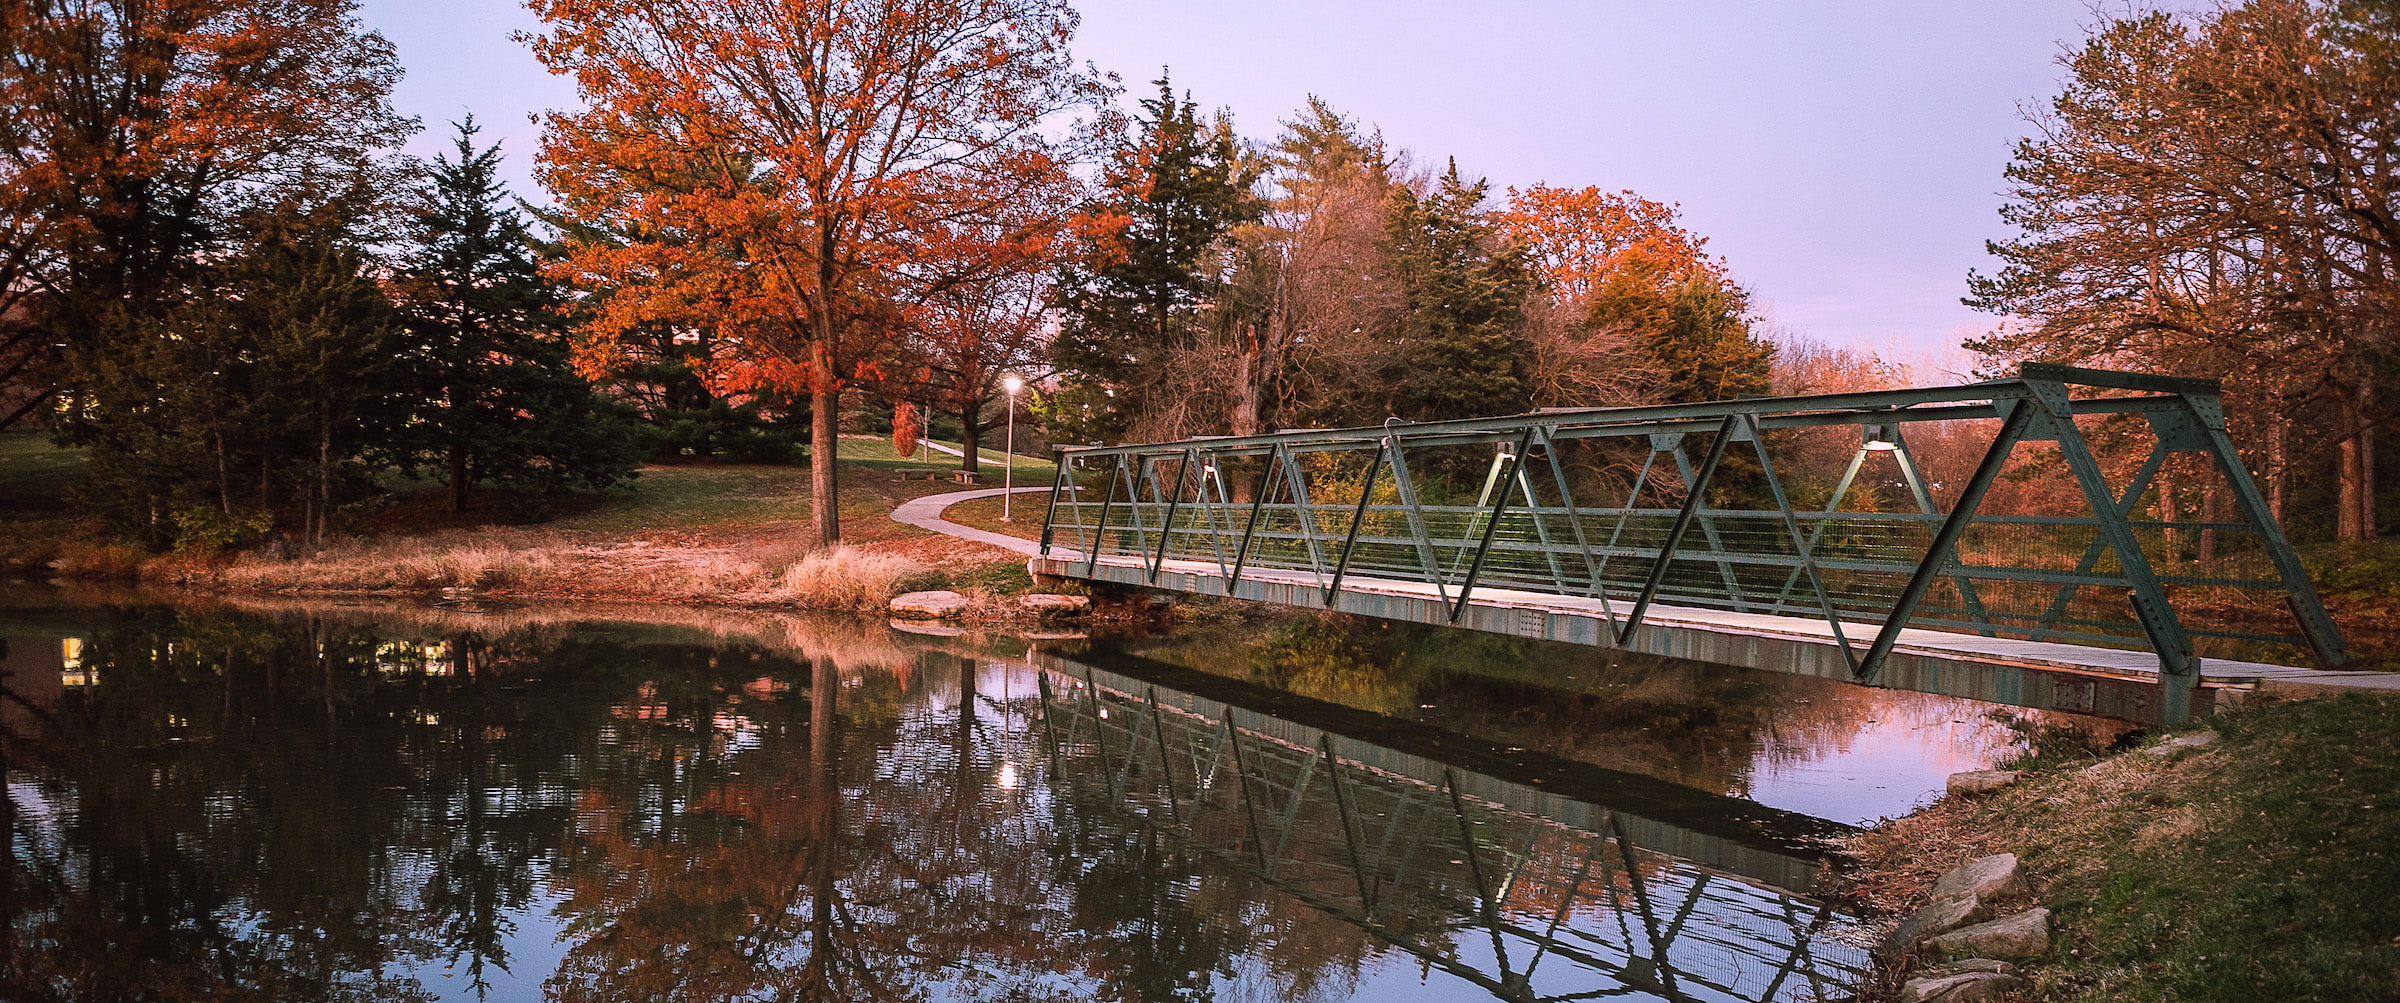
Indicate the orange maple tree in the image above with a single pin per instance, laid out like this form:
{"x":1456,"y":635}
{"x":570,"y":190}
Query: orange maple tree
{"x":1578,"y":236}
{"x":131,"y":128}
{"x":775,"y":166}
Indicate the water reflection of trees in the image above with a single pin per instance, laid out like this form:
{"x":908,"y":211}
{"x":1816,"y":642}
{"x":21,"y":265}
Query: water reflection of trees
{"x":312,"y":806}
{"x":318,"y":808}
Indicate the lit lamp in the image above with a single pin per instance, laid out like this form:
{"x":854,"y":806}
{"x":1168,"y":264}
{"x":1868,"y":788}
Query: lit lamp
{"x":1008,"y":462}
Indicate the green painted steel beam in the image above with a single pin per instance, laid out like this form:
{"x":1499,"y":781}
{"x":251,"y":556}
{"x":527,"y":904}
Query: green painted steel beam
{"x":1990,"y":573}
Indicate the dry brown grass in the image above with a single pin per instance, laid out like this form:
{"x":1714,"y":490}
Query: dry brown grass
{"x":525,"y":565}
{"x":98,"y":561}
{"x":843,"y":578}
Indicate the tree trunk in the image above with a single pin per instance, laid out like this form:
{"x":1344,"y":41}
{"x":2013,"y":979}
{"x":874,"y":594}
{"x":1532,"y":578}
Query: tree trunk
{"x":458,"y":479}
{"x":824,"y":427}
{"x":224,"y":478}
{"x":461,"y":401}
{"x":2209,"y":513}
{"x":324,"y":481}
{"x":2166,"y":506}
{"x":2276,"y":463}
{"x":2367,"y":524}
{"x":1244,"y":419}
{"x":970,"y":438}
{"x":2355,"y":474}
{"x":825,"y":397}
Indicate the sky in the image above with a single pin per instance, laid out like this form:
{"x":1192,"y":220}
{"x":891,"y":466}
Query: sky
{"x":1844,"y":158}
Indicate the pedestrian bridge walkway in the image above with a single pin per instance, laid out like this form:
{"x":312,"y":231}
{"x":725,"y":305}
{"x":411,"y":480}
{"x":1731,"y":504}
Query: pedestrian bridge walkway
{"x":2031,"y":569}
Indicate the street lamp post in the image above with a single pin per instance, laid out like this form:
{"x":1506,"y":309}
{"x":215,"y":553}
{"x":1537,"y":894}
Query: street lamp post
{"x":1008,"y":461}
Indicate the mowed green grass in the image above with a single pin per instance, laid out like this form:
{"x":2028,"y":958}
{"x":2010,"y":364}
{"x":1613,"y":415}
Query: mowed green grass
{"x":36,"y":478}
{"x":35,"y":474}
{"x":737,"y":496}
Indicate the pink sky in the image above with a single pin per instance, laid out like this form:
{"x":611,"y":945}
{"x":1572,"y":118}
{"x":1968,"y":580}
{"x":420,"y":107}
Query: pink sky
{"x":1844,"y":157}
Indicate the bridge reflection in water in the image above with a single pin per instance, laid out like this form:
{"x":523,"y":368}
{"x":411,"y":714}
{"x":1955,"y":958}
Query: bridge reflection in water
{"x":1532,"y":878}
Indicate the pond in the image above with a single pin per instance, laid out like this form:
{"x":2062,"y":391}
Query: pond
{"x":317,"y":802}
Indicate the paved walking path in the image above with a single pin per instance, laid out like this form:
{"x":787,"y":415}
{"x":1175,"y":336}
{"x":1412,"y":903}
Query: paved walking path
{"x":926,"y":513}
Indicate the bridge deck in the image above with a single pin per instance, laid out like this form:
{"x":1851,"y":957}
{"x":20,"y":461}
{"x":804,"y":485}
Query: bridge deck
{"x":2038,"y":674}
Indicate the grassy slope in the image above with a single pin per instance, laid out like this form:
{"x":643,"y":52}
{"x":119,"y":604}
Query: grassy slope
{"x":35,"y":511}
{"x":755,"y":507}
{"x":2266,"y":868}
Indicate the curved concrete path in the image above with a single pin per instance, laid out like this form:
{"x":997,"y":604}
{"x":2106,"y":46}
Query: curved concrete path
{"x":926,"y":513}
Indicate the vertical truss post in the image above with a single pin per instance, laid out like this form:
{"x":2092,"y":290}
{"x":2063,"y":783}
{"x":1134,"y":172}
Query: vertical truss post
{"x":1350,"y":837}
{"x":1208,"y":507}
{"x":1091,"y":561}
{"x":1695,"y":497}
{"x":1267,"y":472}
{"x":1491,"y":527}
{"x":1416,"y":512}
{"x":1058,"y":479}
{"x":1641,"y":900}
{"x":1296,"y":482}
{"x":1146,"y":481}
{"x":1166,"y":528}
{"x":2178,"y":667}
{"x":1566,"y":902}
{"x":1290,"y":822}
{"x":2324,"y":639}
{"x":1485,"y":891}
{"x":1241,"y":774}
{"x":1166,"y":768}
{"x":1091,"y":689}
{"x":1358,"y":518}
{"x":1136,"y":473}
{"x":1945,"y":539}
{"x":1625,"y":514}
{"x":1791,"y":525}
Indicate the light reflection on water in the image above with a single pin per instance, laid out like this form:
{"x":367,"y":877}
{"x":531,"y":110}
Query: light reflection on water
{"x":393,"y":805}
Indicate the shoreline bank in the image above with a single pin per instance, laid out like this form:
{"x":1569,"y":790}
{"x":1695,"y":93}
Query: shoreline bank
{"x":2252,"y":856}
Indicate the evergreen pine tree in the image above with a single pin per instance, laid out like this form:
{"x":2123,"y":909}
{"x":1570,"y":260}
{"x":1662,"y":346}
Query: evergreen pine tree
{"x":1177,"y":190}
{"x":1464,"y":300}
{"x":501,"y":402}
{"x":256,"y":395}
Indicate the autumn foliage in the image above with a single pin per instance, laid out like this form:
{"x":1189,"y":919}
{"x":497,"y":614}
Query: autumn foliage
{"x":772,"y":168}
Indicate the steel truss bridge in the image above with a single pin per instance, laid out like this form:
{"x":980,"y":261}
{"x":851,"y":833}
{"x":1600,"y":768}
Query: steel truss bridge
{"x":1685,"y":530}
{"x":1513,"y":880}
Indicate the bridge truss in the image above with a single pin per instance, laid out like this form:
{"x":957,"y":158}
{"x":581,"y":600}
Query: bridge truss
{"x":1699,"y":506}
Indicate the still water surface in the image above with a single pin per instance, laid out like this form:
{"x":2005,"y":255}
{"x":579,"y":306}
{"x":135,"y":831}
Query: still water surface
{"x":318,"y":803}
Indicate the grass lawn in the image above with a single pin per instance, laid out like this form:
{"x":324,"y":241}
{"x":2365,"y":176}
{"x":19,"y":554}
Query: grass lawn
{"x":37,"y":511}
{"x":2264,"y":868}
{"x":34,"y":474}
{"x":750,"y":497}
{"x":876,"y":452}
{"x":1025,"y":515}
